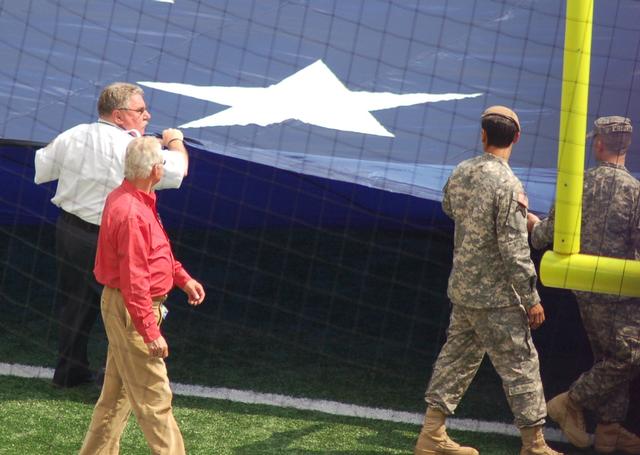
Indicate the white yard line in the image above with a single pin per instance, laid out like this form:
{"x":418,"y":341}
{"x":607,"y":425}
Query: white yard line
{"x":306,"y":404}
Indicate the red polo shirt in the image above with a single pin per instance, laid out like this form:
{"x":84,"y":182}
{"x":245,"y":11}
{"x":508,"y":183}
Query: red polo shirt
{"x":134,"y":255}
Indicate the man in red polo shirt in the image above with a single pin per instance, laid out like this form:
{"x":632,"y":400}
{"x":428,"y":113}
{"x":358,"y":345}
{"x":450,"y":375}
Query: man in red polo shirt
{"x":135,"y":264}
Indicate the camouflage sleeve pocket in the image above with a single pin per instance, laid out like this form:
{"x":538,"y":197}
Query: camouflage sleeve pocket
{"x":517,"y":216}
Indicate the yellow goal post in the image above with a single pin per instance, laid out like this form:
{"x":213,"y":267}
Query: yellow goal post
{"x":565,"y":267}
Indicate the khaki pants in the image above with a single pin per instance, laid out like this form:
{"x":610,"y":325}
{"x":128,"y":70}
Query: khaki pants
{"x":133,"y":381}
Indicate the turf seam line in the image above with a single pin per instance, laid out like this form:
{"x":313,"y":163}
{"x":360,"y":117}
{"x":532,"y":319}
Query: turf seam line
{"x":305,"y":404}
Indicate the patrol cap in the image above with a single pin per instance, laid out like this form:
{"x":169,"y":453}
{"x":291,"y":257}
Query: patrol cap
{"x":611,"y":124}
{"x":502,"y":111}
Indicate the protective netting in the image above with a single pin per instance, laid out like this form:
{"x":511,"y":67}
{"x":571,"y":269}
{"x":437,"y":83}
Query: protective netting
{"x":311,"y":213}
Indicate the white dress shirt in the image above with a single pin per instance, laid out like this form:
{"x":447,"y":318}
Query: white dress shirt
{"x":88,"y":162}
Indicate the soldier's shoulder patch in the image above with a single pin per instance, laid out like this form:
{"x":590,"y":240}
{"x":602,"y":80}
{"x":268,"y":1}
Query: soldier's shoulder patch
{"x":523,"y":200}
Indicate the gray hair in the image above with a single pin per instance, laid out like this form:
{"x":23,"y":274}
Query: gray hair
{"x":116,"y":96}
{"x":142,"y":154}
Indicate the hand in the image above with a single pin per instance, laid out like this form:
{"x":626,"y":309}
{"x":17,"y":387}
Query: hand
{"x":536,"y":316}
{"x":194,"y":291}
{"x":532,"y":220}
{"x":170,"y":134}
{"x":158,"y":348}
{"x":173,"y":140}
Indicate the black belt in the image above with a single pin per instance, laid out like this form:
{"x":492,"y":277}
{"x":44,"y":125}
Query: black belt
{"x":78,"y":222}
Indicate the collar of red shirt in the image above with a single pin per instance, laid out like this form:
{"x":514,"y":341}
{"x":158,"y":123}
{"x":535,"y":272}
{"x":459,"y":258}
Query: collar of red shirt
{"x":148,"y":199}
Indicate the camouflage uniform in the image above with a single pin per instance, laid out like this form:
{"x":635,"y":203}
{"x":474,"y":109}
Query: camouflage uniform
{"x":492,"y":281}
{"x":610,"y":227}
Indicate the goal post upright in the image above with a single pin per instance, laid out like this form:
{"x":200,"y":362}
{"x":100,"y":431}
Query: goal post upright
{"x":564,"y":266}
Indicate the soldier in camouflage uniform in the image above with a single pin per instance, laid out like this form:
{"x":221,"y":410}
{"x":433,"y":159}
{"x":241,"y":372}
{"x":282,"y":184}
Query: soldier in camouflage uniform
{"x":610,"y":227}
{"x":492,"y":288}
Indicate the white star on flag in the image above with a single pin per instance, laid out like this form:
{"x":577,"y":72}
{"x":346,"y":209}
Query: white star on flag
{"x":313,"y":95}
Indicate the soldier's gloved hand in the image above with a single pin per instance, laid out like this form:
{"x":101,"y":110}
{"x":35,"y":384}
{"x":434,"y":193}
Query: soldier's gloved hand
{"x":536,"y":316}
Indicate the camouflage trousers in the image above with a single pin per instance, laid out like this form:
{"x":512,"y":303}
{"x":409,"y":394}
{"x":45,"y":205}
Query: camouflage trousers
{"x":502,"y":333}
{"x":614,"y":334}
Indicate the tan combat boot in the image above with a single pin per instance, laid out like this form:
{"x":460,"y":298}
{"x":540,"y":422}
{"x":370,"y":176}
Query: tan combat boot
{"x":533,"y":442}
{"x":433,"y":439}
{"x":613,"y":436}
{"x":570,"y":418}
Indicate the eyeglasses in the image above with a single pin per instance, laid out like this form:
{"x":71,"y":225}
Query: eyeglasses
{"x":140,"y":110}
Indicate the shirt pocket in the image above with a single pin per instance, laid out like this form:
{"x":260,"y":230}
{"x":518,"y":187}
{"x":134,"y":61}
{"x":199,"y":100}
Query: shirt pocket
{"x":158,"y":240}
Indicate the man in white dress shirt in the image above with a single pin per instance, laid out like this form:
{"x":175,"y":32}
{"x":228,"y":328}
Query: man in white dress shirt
{"x":88,"y":162}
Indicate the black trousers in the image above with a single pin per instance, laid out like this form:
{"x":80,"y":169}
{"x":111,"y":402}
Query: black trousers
{"x":78,"y":297}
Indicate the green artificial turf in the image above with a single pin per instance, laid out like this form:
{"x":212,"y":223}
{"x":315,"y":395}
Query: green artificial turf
{"x":35,"y":419}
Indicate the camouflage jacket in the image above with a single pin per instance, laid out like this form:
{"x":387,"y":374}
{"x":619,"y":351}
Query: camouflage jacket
{"x":492,"y":266}
{"x":610,"y":218}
